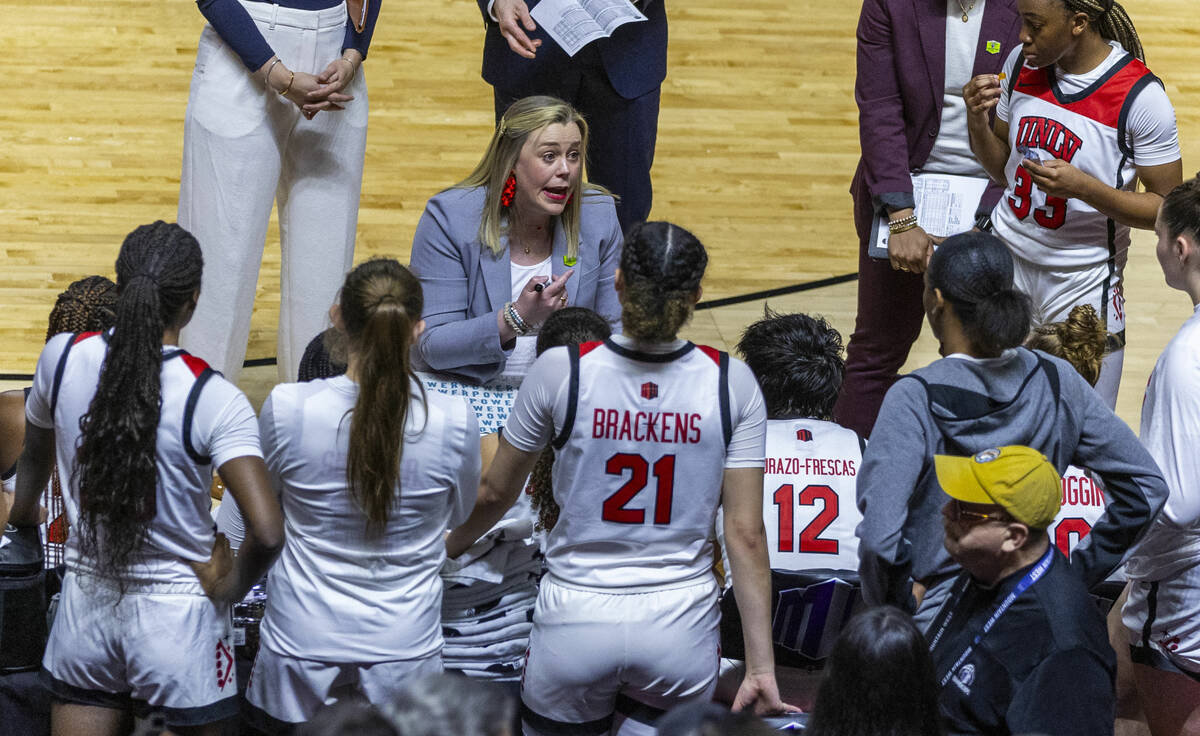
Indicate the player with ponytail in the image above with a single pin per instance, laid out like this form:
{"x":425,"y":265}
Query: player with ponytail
{"x":371,"y":471}
{"x":1070,"y":127}
{"x":988,"y":391}
{"x":1164,"y":570}
{"x":651,"y":433}
{"x":138,"y":425}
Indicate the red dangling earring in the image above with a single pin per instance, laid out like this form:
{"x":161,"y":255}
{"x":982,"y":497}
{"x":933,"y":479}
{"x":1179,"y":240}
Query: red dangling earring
{"x":509,"y":191}
{"x":570,"y":199}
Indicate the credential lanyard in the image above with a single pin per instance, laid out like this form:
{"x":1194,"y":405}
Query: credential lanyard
{"x":1035,"y":573}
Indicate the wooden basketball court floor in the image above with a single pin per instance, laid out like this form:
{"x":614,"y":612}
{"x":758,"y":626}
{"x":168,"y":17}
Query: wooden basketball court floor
{"x":757,"y":144}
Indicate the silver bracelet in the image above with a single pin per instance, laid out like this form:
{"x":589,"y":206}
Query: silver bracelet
{"x":270,"y":69}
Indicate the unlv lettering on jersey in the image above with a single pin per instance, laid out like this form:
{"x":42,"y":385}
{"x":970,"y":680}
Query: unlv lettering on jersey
{"x":646,"y":426}
{"x":1049,"y":135}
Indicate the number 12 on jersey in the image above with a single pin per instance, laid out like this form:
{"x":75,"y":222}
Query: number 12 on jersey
{"x":811,"y":540}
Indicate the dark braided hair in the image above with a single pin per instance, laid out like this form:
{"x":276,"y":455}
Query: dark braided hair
{"x":797,"y":360}
{"x":1111,"y":21}
{"x":381,"y":302}
{"x":569,"y":326}
{"x":158,"y":274}
{"x":87,"y":305}
{"x":662,"y":265}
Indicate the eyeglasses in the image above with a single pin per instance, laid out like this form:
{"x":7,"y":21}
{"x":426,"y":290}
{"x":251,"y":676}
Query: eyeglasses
{"x":956,"y":512}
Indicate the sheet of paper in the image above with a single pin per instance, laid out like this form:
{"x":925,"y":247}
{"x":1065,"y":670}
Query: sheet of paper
{"x":946,"y":206}
{"x":574,"y":24}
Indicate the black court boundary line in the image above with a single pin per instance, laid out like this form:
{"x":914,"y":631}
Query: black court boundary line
{"x":711,"y":304}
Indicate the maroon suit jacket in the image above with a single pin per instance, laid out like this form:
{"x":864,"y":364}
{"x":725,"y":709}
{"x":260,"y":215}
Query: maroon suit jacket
{"x":899,"y":90}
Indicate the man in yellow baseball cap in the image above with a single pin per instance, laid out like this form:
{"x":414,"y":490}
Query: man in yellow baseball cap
{"x":1019,"y":647}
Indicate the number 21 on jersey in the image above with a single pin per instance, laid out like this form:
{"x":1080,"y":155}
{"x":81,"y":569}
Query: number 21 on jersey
{"x":640,"y":470}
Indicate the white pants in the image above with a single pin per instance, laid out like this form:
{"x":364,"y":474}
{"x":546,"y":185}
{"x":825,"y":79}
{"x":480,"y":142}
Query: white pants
{"x":610,"y":662}
{"x":1056,"y":292}
{"x":292,"y":690}
{"x":245,"y":147}
{"x":165,"y":647}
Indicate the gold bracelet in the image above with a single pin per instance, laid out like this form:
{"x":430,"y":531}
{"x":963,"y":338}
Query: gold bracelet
{"x":902,"y":229}
{"x":283,"y":92}
{"x":353,"y":66}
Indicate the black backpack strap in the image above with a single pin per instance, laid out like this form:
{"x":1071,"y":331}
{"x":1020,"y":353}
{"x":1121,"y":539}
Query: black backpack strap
{"x":189,"y":413}
{"x":572,"y":399}
{"x":59,"y":369}
{"x":723,"y":380}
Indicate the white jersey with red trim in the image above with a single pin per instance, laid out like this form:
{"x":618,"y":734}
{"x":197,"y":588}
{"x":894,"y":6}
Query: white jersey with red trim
{"x":1105,"y":123}
{"x":809,"y":503}
{"x":1171,"y":433}
{"x":643,"y":434}
{"x":1083,"y":503}
{"x":197,"y":430}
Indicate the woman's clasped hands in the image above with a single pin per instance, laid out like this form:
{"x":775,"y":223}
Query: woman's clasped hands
{"x":314,"y":93}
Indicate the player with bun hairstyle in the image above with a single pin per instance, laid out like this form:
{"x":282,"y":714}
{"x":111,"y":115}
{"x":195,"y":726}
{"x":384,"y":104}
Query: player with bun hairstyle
{"x":1079,"y":121}
{"x":988,"y":391}
{"x":652,"y":433}
{"x":1080,"y":340}
{"x":371,"y":471}
{"x":1164,"y":570}
{"x":138,"y":425}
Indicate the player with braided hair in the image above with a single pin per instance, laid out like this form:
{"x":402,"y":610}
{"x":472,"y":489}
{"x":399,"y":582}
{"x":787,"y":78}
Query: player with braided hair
{"x":87,"y":304}
{"x":1078,"y":122}
{"x":652,"y":433}
{"x":569,"y":326}
{"x":663,"y":286}
{"x":137,"y":425}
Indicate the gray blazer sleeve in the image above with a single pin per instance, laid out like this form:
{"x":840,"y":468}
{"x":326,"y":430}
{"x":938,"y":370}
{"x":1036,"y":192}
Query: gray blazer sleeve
{"x":465,"y":286}
{"x":461,"y":334}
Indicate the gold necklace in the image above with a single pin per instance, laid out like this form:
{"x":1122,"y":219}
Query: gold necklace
{"x":966,"y":9}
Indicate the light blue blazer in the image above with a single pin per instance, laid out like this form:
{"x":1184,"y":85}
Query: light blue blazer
{"x":465,"y":285}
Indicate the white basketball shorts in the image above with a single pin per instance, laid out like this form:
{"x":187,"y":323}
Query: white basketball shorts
{"x":162,"y":648}
{"x":613,"y":662}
